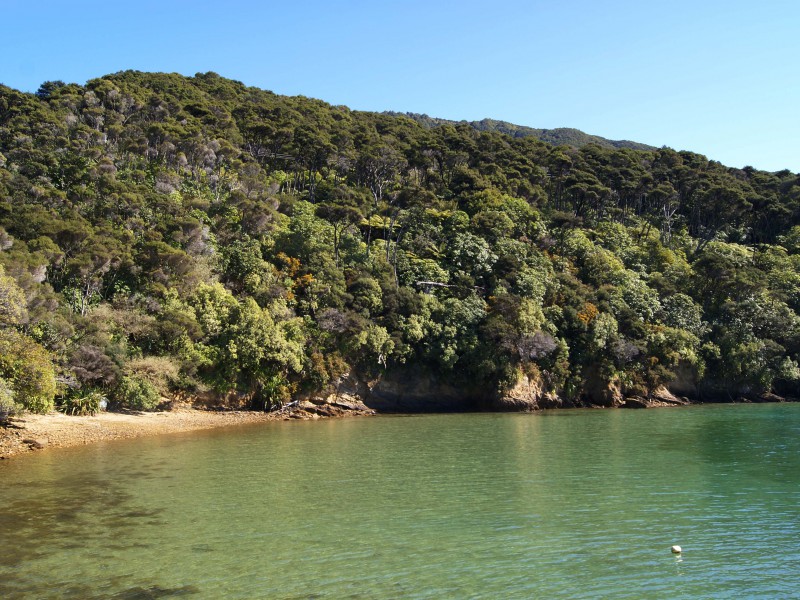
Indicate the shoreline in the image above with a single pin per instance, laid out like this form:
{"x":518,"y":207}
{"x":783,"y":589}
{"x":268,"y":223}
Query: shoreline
{"x":31,"y":432}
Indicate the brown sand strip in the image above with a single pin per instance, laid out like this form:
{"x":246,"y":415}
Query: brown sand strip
{"x":56,"y":430}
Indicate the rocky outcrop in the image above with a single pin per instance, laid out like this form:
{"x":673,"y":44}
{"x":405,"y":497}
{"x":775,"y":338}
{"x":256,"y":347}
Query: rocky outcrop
{"x":635,"y":402}
{"x":416,"y":391}
{"x":527,"y":395}
{"x":665,"y":397}
{"x":661,"y":396}
{"x":599,"y":391}
{"x":323,"y":408}
{"x":685,"y":382}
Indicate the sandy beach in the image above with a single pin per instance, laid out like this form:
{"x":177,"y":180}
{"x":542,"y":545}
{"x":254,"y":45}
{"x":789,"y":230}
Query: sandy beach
{"x":29,"y":432}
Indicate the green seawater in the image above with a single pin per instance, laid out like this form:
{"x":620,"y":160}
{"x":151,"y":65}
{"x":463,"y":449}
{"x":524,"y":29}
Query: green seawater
{"x":565,"y":504}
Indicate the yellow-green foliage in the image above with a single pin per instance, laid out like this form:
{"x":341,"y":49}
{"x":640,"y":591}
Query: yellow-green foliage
{"x":136,"y":393}
{"x":13,"y":309}
{"x":82,"y":403}
{"x":29,"y":370}
{"x":162,"y":371}
{"x":8,"y":407}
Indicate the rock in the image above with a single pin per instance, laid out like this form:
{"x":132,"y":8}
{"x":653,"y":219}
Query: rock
{"x":352,"y":404}
{"x":347,"y":401}
{"x":414,"y":390}
{"x":601,"y":392}
{"x":323,"y":410}
{"x":634,"y":402}
{"x":769,"y":397}
{"x":662,"y":394}
{"x":526,"y":395}
{"x":551,"y":400}
{"x":306,"y":405}
{"x":685,"y":382}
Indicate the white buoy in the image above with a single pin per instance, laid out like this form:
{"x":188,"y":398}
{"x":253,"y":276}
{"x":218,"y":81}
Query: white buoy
{"x":676,"y":549}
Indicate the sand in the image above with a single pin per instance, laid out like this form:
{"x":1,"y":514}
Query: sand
{"x":28,"y":433}
{"x":56,"y":430}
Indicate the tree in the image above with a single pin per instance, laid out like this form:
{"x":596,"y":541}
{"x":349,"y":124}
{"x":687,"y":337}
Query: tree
{"x":716,"y":209}
{"x":46,"y":90}
{"x":377,"y":168}
{"x":13,"y":305}
{"x":257,"y":244}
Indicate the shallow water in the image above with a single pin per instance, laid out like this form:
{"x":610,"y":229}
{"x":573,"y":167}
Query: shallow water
{"x":569,"y":504}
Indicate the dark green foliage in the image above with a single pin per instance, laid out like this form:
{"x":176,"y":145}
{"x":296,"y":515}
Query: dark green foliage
{"x":560,"y":135}
{"x":162,"y":234}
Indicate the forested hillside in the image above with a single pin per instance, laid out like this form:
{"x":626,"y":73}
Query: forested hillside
{"x":561,"y":135}
{"x":172,"y":236}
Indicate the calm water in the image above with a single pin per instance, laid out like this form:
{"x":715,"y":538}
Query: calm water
{"x":570,"y":504}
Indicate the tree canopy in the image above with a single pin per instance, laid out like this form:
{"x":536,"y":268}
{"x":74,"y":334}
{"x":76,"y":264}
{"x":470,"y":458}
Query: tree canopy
{"x":164,"y":235}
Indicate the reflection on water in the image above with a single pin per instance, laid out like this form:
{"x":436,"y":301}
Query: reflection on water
{"x":570,"y":504}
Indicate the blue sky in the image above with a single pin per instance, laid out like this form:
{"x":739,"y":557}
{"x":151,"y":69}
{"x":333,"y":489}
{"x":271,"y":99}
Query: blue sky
{"x":719,"y":78}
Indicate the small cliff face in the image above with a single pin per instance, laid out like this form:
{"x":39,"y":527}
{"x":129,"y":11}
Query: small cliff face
{"x":599,"y":391}
{"x":526,"y":395}
{"x":685,"y":382}
{"x":416,"y":391}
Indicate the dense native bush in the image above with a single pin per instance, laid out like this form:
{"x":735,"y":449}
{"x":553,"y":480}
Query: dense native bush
{"x":162,"y":234}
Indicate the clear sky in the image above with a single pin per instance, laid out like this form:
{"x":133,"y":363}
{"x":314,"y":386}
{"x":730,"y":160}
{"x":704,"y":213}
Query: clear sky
{"x":719,"y":78}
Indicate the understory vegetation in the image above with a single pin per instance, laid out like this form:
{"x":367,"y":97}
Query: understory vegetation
{"x":165,"y":236}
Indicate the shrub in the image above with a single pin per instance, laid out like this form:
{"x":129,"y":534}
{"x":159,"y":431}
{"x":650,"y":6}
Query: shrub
{"x":162,"y":371}
{"x":87,"y":403}
{"x":8,"y":408}
{"x":136,"y":394}
{"x":29,"y":369}
{"x":93,"y":367}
